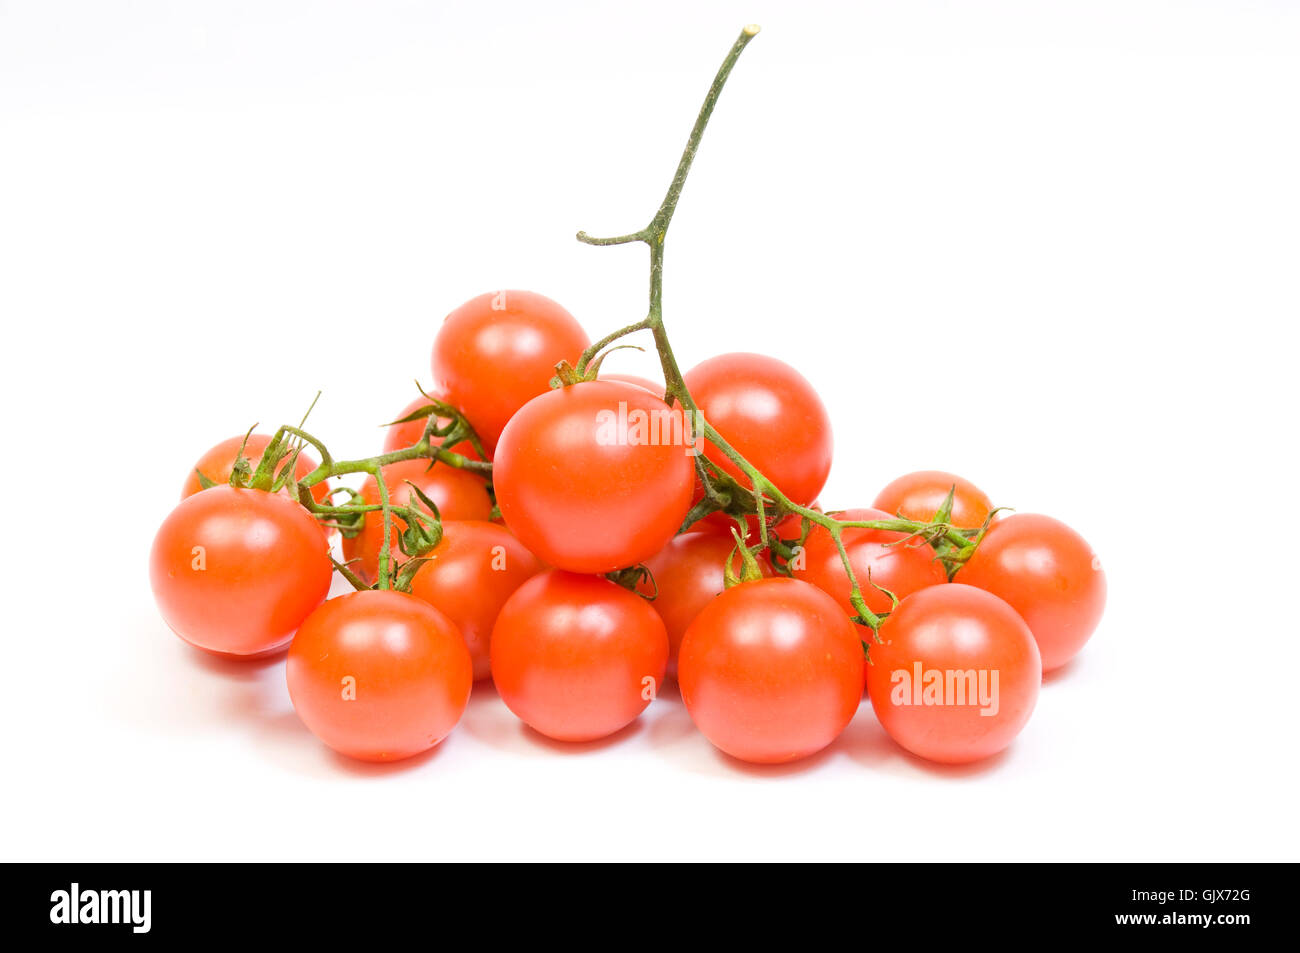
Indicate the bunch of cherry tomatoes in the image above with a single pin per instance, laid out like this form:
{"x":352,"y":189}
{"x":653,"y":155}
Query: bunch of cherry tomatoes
{"x":578,"y":537}
{"x":533,"y":528}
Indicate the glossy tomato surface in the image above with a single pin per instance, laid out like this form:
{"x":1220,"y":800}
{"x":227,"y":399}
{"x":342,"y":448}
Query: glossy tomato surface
{"x":594,"y":477}
{"x":957,"y":675}
{"x":1049,"y":574}
{"x":459,"y":495}
{"x":235,"y":572}
{"x":770,"y":413}
{"x":219,"y":462}
{"x":771,"y":670}
{"x":577,"y":657}
{"x":918,"y":496}
{"x":469,"y":576}
{"x":379,"y":675}
{"x":879,"y":559}
{"x":688,"y":574}
{"x":496,"y":352}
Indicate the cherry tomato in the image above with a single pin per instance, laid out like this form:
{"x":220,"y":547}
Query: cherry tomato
{"x":918,"y":496}
{"x":1048,"y":573}
{"x":879,"y":558}
{"x":379,"y":675}
{"x":470,"y":574}
{"x":688,"y":575}
{"x":498,"y":351}
{"x":771,"y":670}
{"x":235,"y":572}
{"x":594,"y":477}
{"x":218,"y":463}
{"x":459,"y":494}
{"x":577,"y":657}
{"x":401,"y":436}
{"x":771,"y":415}
{"x":957,"y":675}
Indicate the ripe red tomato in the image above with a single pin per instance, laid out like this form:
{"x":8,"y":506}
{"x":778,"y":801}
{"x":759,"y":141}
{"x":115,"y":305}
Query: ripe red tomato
{"x":1049,"y":574}
{"x":234,"y":572}
{"x":957,"y":676}
{"x":401,"y":436}
{"x":771,"y":670}
{"x":918,"y":496}
{"x":594,"y":477}
{"x":470,"y":574}
{"x":688,"y":575}
{"x":459,"y":494}
{"x":498,"y":351}
{"x":219,"y":461}
{"x":771,"y":415}
{"x":379,"y":675}
{"x":577,"y":657}
{"x":878,"y":558}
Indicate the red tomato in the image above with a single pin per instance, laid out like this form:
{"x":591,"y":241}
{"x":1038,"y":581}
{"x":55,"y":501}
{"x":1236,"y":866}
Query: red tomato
{"x":234,"y":572}
{"x":594,"y":477}
{"x":635,"y":380}
{"x":498,"y":351}
{"x":918,"y":496}
{"x":771,"y":671}
{"x":771,"y":415}
{"x":878,"y":558}
{"x":459,"y":494}
{"x":379,"y":675}
{"x":218,"y":463}
{"x":577,"y":657}
{"x":688,"y":575}
{"x":1048,"y":573}
{"x":957,"y":676}
{"x":470,"y":574}
{"x":401,"y":436}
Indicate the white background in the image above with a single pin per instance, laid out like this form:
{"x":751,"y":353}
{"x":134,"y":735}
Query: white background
{"x":1051,"y":246}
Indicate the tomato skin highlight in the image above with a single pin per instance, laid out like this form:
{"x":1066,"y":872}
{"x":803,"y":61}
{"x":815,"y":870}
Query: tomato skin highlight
{"x":459,"y":495}
{"x":918,"y":496}
{"x":954,"y":628}
{"x":235,"y":571}
{"x":688,"y":575}
{"x":771,"y":670}
{"x":879,"y":558}
{"x":405,"y":662}
{"x":219,"y":461}
{"x":1048,"y":573}
{"x":401,"y":436}
{"x":771,"y":415}
{"x":577,"y":657}
{"x":578,"y":487}
{"x":498,"y":351}
{"x":470,"y":574}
